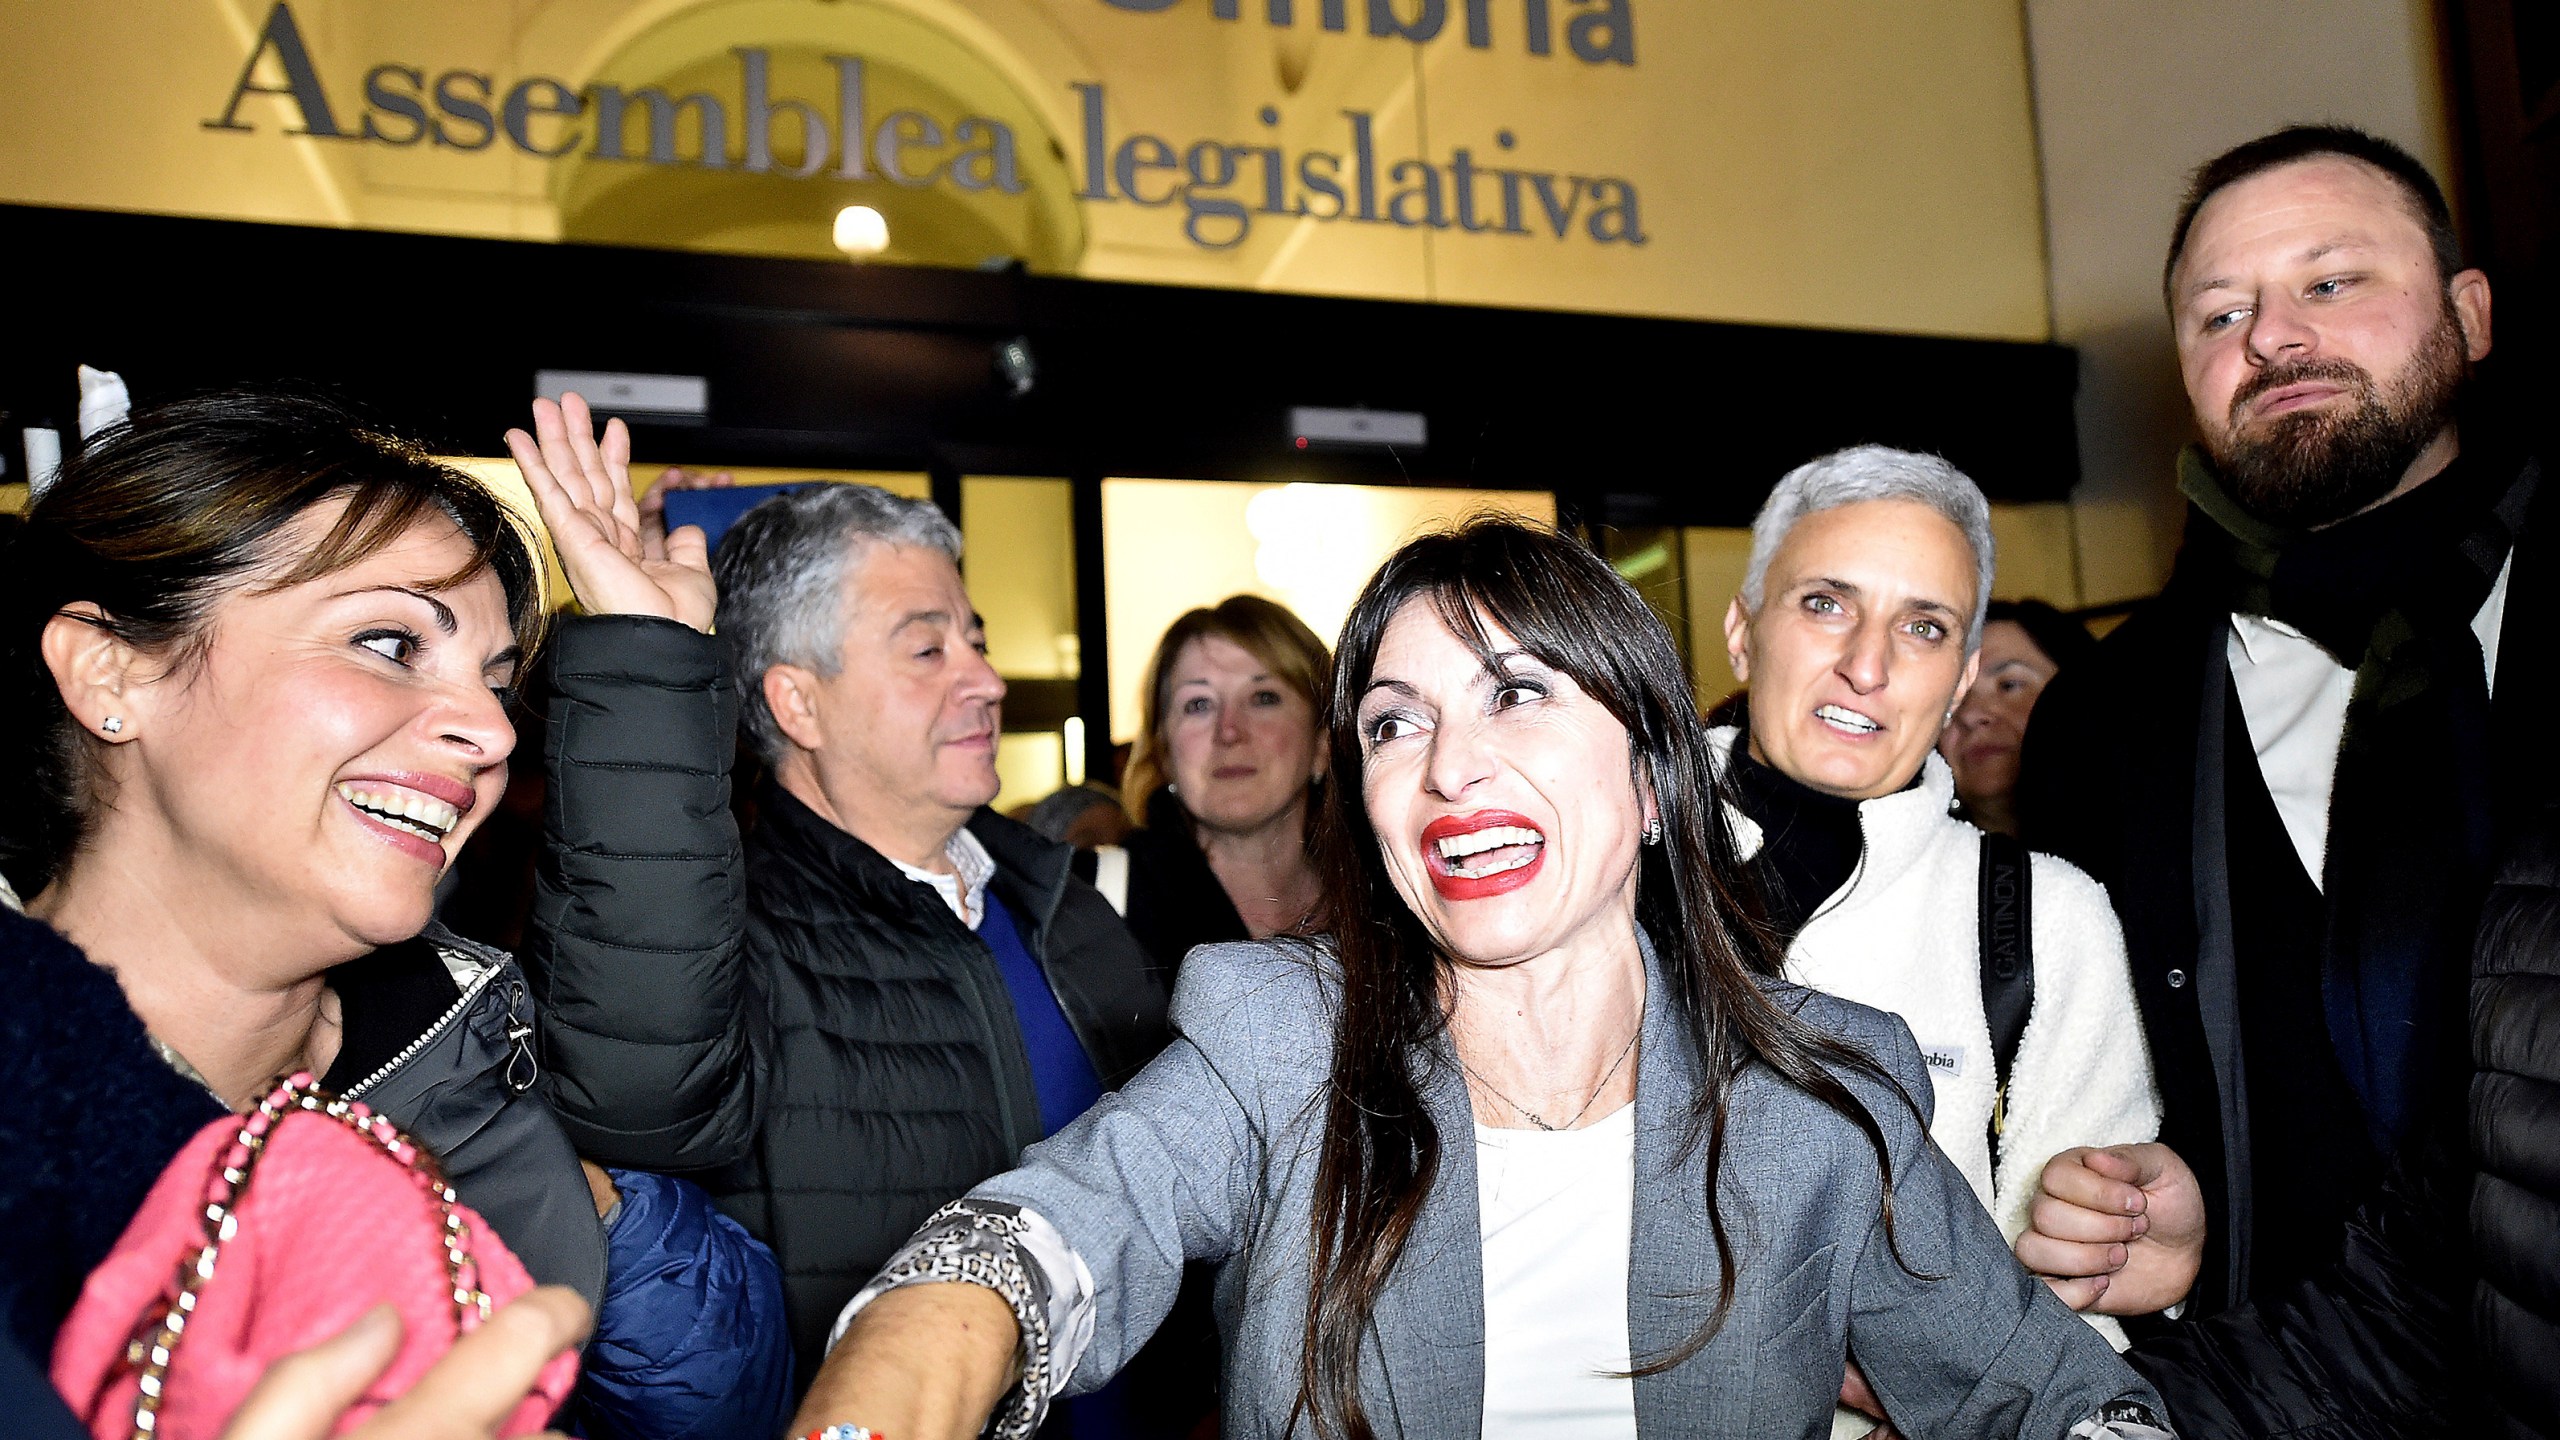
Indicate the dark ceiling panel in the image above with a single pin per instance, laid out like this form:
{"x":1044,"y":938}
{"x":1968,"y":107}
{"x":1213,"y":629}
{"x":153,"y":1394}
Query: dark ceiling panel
{"x":884,"y":367}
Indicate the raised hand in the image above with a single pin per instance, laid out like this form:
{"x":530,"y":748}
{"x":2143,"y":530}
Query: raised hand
{"x":2118,"y":1230}
{"x":582,"y":486}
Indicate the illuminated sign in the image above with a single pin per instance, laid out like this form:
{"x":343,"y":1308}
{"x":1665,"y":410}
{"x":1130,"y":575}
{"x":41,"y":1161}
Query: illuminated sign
{"x":1220,"y":185}
{"x":1599,"y":32}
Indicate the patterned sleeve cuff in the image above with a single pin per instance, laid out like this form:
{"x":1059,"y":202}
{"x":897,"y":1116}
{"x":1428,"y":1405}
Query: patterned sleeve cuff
{"x":1020,"y":1256}
{"x":2122,"y":1420}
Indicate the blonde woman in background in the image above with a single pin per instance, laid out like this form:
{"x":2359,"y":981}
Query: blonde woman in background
{"x":1230,"y":748}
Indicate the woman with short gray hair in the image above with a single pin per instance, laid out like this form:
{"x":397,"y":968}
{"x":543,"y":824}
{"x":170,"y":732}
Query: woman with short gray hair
{"x":1857,"y":628}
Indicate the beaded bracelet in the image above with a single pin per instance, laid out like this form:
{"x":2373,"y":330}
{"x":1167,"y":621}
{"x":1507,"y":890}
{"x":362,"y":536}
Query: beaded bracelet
{"x":843,"y":1432}
{"x":979,"y":1242}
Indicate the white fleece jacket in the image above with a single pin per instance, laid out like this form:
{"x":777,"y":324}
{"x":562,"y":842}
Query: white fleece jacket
{"x":1902,"y":936}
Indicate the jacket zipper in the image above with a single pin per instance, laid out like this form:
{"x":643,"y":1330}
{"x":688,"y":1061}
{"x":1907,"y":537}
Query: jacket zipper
{"x":443,"y":1022}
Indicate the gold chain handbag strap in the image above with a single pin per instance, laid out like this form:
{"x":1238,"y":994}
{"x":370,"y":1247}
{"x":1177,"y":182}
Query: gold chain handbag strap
{"x":230,"y":1183}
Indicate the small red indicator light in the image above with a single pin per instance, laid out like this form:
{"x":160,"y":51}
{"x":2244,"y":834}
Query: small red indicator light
{"x":1302,"y":442}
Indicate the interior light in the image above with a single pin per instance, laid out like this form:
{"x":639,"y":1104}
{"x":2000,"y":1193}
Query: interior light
{"x":861,"y":231}
{"x":1071,"y":735}
{"x":1314,"y":546}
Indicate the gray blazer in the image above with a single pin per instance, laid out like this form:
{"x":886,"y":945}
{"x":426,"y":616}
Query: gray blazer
{"x":1210,"y":1154}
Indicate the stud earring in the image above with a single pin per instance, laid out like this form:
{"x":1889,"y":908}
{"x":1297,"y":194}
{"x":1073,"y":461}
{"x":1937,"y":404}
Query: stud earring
{"x":113,"y":724}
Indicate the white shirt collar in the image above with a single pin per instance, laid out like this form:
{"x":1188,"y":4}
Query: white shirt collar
{"x":966,"y":891}
{"x":2255,"y":631}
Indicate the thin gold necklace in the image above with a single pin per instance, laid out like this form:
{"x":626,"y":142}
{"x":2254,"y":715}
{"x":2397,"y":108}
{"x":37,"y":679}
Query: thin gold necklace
{"x":1533,"y":1116}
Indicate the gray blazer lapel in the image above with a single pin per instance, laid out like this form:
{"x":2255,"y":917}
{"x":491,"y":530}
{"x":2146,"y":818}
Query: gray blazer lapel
{"x":1671,"y":1261}
{"x":1430,"y":1321}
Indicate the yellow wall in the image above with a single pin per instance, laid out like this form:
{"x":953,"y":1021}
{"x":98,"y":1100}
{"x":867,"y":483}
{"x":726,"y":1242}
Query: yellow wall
{"x":1019,"y":555}
{"x":1816,"y":162}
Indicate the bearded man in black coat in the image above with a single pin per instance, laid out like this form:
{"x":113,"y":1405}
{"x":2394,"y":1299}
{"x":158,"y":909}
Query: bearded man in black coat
{"x":2296,"y":771}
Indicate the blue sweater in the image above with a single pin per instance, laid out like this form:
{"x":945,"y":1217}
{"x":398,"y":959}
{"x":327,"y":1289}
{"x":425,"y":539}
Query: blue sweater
{"x":94,"y":1115}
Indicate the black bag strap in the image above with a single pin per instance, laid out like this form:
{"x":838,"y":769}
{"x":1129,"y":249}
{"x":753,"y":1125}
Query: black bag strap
{"x":2007,"y":933}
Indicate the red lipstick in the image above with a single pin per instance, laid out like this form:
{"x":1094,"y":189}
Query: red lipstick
{"x":1454,"y":886}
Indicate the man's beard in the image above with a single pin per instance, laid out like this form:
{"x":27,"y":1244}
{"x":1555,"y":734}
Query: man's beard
{"x":2312,"y":467}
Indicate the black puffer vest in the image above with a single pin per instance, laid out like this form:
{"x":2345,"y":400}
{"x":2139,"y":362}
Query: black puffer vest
{"x":895,"y":1076}
{"x":2515,"y":1132}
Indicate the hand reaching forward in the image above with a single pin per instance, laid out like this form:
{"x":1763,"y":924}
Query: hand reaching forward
{"x":466,"y":1395}
{"x":582,"y":486}
{"x":2119,"y":1231}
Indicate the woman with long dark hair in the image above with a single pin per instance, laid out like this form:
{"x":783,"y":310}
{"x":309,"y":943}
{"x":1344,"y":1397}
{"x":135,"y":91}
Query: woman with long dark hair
{"x":1692,"y":1192}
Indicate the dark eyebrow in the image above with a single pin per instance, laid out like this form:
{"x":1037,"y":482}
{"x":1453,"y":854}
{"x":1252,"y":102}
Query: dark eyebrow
{"x":1933,"y":607}
{"x":443,"y":612}
{"x":1846,"y":587}
{"x":2313,"y":255}
{"x":1397,"y":686}
{"x":2322,"y":252}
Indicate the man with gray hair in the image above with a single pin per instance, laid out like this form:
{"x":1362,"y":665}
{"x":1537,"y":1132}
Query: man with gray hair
{"x":925,"y":989}
{"x":1858,"y":627}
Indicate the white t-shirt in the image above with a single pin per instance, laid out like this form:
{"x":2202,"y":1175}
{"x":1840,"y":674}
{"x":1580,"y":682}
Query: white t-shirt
{"x":1558,"y":1210}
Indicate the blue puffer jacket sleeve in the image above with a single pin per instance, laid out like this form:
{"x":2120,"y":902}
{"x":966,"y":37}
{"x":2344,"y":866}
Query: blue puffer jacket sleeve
{"x":690,"y":1342}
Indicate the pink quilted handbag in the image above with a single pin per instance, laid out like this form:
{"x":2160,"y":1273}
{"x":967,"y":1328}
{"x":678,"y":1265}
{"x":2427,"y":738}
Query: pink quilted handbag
{"x":218,"y":1277}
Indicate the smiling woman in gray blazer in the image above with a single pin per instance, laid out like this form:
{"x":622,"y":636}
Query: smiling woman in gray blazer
{"x":1530,"y":1142}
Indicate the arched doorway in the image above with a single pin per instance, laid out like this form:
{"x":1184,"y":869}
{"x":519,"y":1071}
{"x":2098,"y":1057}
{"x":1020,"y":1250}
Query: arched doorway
{"x":981,"y":216}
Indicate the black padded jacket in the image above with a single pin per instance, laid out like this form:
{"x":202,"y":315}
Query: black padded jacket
{"x":2515,"y":1135}
{"x":813,"y":1034}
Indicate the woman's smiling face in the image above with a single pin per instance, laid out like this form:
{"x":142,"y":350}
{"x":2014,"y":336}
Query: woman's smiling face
{"x":332,"y":746}
{"x":1503,"y":797}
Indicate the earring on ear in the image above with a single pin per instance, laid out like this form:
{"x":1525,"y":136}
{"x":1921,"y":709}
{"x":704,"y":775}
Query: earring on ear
{"x":1653,"y":831}
{"x":113,"y":724}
